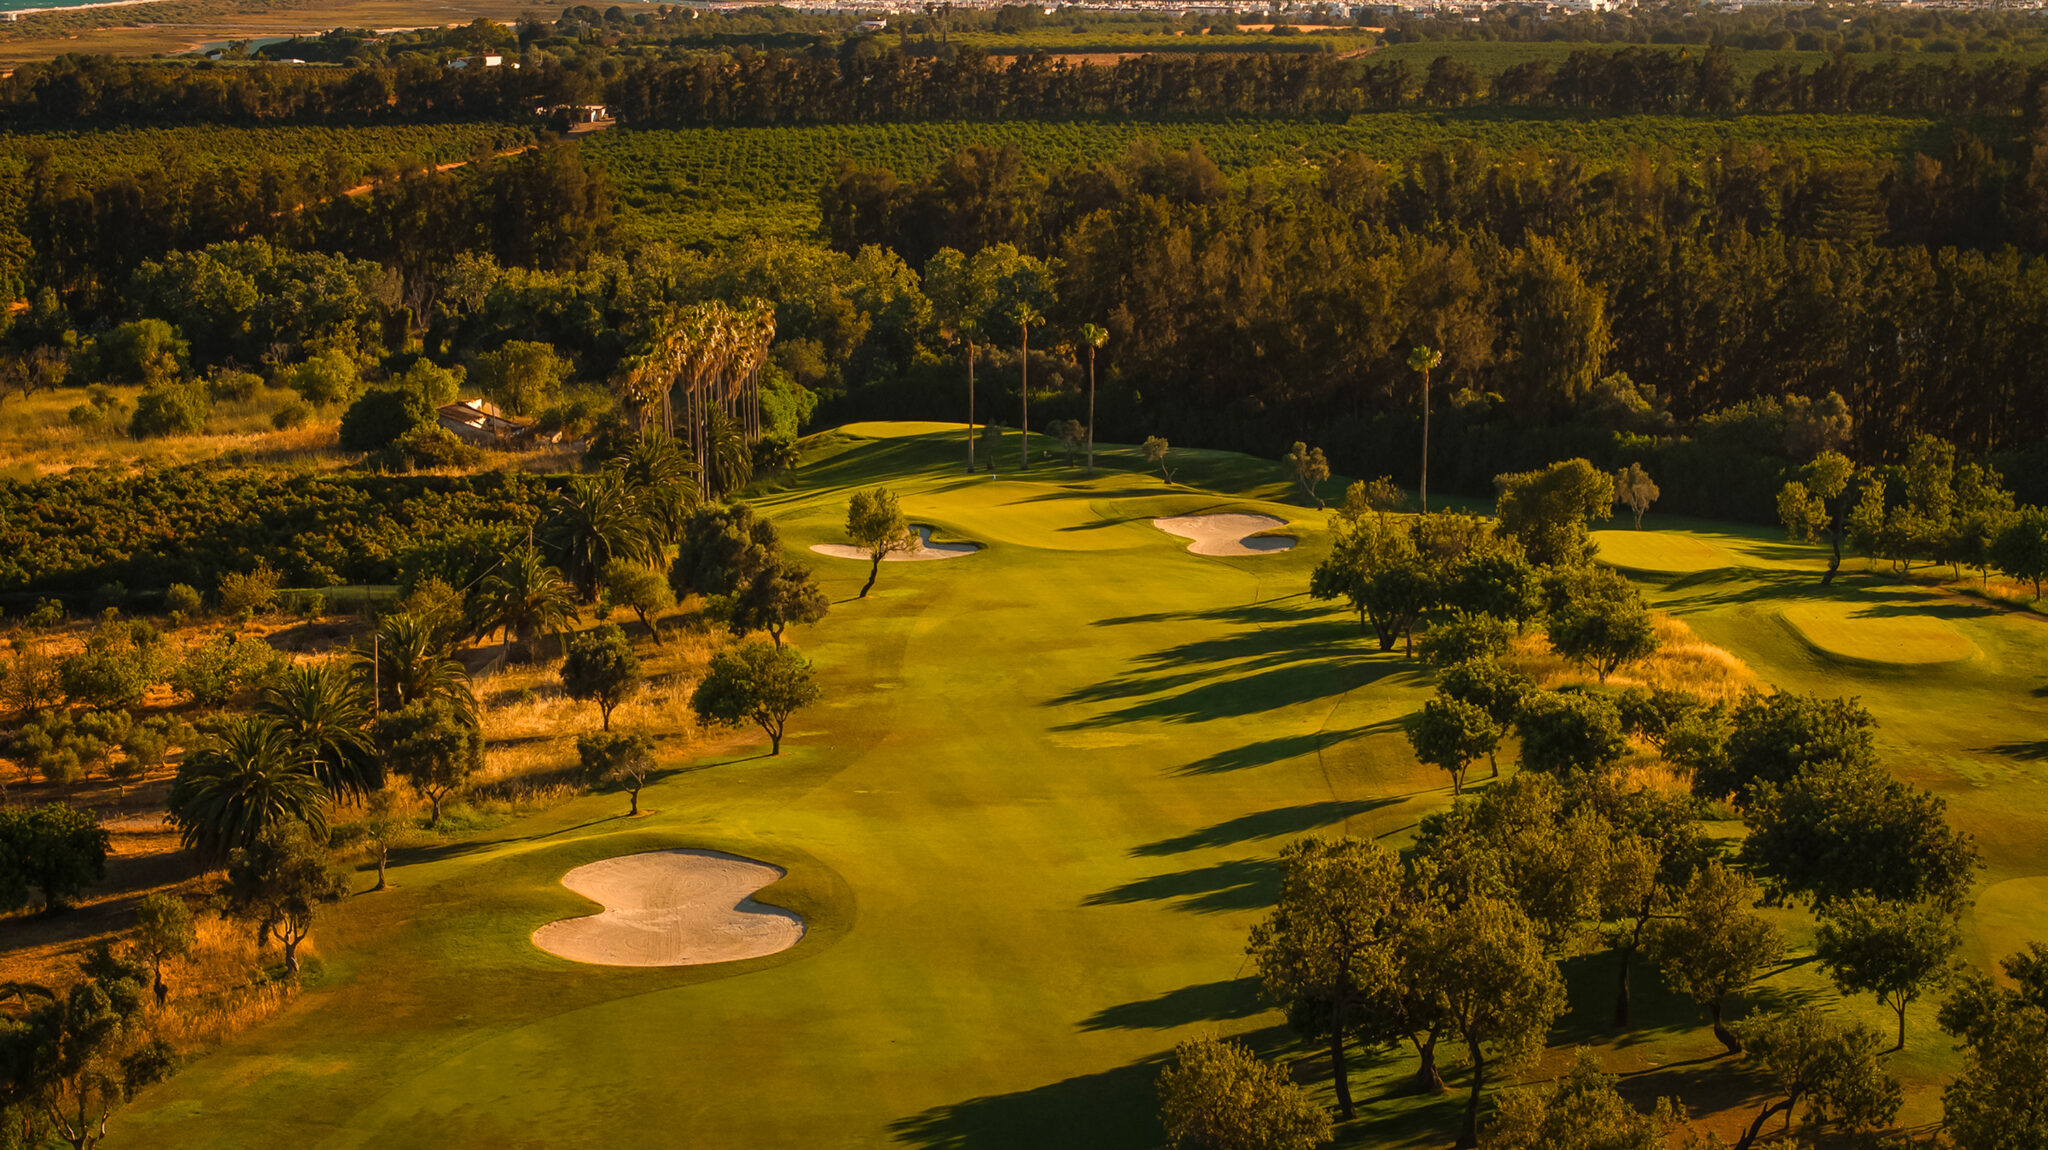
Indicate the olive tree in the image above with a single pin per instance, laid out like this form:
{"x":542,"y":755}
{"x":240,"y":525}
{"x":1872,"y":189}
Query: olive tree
{"x":163,"y":933}
{"x":1449,"y":733}
{"x":601,"y":668}
{"x":54,"y":849}
{"x":277,"y":883}
{"x":1714,"y":944}
{"x":874,"y":521}
{"x":1810,"y":1058}
{"x":1894,"y":950}
{"x":1218,"y":1095}
{"x":756,"y":683}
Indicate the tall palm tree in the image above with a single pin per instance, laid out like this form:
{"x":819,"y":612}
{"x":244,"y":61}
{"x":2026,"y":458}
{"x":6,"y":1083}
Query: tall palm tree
{"x":1422,"y":359}
{"x":728,"y":464}
{"x":592,"y":521}
{"x":525,"y":597}
{"x":407,"y":663}
{"x":249,"y":780}
{"x":663,"y":480}
{"x":321,"y":710}
{"x":1094,"y":337}
{"x":1026,"y":317}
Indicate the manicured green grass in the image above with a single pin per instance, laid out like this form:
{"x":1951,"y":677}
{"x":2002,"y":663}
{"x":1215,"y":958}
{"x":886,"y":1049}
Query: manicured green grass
{"x":1028,"y":829}
{"x":1658,"y":552}
{"x":1859,"y":635}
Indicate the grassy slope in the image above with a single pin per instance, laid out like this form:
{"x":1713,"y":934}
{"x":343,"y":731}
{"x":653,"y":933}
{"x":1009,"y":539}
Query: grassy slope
{"x":1028,"y":829}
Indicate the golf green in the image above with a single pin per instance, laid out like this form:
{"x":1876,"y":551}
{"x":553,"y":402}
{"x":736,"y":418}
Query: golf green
{"x":1026,"y":831}
{"x":1859,"y":634}
{"x":1658,"y":552}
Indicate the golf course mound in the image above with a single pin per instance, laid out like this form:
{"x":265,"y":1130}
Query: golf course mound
{"x":1232,"y":534}
{"x":671,"y":908}
{"x":1850,"y":633}
{"x":926,"y":549}
{"x":1658,"y":552}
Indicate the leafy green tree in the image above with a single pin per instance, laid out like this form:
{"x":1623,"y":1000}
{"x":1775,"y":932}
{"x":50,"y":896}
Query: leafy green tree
{"x":756,"y":683}
{"x":217,"y":670}
{"x":277,"y":882}
{"x":624,"y":759}
{"x":1498,"y":990}
{"x":1550,"y":511}
{"x":2021,"y":548}
{"x":1654,"y":850}
{"x":1517,"y":840}
{"x":874,"y":521}
{"x":1155,"y":450}
{"x":177,"y":407}
{"x":55,"y":849}
{"x":1307,"y":467}
{"x":526,"y":598}
{"x":1491,"y":686}
{"x":522,"y":376}
{"x":1714,"y":945}
{"x":601,"y":668}
{"x":722,"y":548}
{"x":1894,"y":950}
{"x":1449,"y":734}
{"x":1218,"y":1095}
{"x":1375,"y":566}
{"x":1605,"y":629}
{"x":1500,"y":583}
{"x":121,"y":661}
{"x":432,"y":745}
{"x":592,"y":521}
{"x":1635,"y":490}
{"x":148,"y":352}
{"x":1462,"y":638}
{"x":1999,"y":1100}
{"x":639,"y":589}
{"x":1566,"y":731}
{"x":254,"y":590}
{"x":321,"y":708}
{"x":163,"y":933}
{"x":1816,"y":505}
{"x":1771,"y":738}
{"x":324,"y":380}
{"x":1583,"y":1111}
{"x":182,"y":600}
{"x":775,"y":598}
{"x":1838,"y":830}
{"x":1328,"y":947}
{"x":1810,"y":1058}
{"x":74,"y":1059}
{"x":382,"y":417}
{"x":244,"y":782}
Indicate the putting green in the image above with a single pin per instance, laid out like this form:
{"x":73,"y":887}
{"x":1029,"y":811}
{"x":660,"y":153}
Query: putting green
{"x":2011,"y":914}
{"x":1658,"y":552}
{"x":1860,"y":634}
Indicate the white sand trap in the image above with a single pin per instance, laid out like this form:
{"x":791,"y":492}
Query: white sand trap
{"x":672,"y":908}
{"x":926,"y":549}
{"x":1228,"y":534}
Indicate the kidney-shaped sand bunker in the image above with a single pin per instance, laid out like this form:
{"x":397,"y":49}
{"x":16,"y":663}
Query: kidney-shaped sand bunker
{"x":1228,"y":534}
{"x":926,"y":549}
{"x":672,"y":908}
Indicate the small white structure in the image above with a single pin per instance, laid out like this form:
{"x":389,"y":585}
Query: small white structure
{"x":873,"y":24}
{"x":478,"y":423}
{"x":468,"y":62}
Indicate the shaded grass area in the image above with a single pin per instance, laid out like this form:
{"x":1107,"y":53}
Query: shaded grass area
{"x":1028,"y":829}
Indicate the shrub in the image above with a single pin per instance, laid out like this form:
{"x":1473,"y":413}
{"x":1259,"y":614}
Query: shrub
{"x":178,"y":408}
{"x":226,"y":386}
{"x":253,"y":591}
{"x":383,"y":416}
{"x":429,"y":447}
{"x":182,"y":599}
{"x":293,"y":414}
{"x":326,"y":379}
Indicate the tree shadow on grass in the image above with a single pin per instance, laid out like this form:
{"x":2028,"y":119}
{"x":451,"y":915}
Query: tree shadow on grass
{"x":1203,"y":1002}
{"x":2032,"y":752}
{"x":1292,"y":820}
{"x":1238,"y":884}
{"x":1227,"y":694}
{"x":1116,"y":1108}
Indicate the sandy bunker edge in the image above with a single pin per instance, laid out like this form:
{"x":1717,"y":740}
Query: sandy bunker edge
{"x":1231,"y":533}
{"x":680,"y":907}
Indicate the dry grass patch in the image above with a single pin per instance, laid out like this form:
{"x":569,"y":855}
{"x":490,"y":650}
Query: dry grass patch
{"x":1683,"y":662}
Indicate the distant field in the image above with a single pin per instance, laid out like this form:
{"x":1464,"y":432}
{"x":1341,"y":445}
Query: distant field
{"x":697,"y":185}
{"x":211,"y":146}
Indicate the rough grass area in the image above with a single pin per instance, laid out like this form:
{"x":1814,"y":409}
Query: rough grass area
{"x":1863,"y":635}
{"x":1028,"y":829}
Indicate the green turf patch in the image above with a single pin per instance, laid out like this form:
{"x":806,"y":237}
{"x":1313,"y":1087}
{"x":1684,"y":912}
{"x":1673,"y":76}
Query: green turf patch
{"x":2012,"y":914}
{"x":1857,"y":633}
{"x":1658,"y":552}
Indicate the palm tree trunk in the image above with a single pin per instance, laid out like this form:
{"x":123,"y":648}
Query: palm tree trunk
{"x":970,"y":407}
{"x":1024,"y":392}
{"x":1091,"y":410}
{"x":1425,"y":442}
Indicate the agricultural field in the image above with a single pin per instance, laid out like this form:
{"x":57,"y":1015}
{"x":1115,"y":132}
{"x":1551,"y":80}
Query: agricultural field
{"x":1029,"y":827}
{"x":712,"y":185}
{"x":93,"y":153}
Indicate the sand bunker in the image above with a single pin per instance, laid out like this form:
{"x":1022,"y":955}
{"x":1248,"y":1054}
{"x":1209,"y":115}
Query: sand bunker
{"x":1228,"y":534}
{"x":672,"y":908}
{"x":926,"y":549}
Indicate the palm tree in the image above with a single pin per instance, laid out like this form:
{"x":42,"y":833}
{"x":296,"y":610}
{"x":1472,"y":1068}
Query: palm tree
{"x":1422,"y":359}
{"x":249,"y":780}
{"x":728,"y":464}
{"x":592,"y":521}
{"x":526,"y":597}
{"x":407,"y":663}
{"x":320,"y":709}
{"x":663,"y":480}
{"x":1027,"y":317}
{"x":1094,"y":337}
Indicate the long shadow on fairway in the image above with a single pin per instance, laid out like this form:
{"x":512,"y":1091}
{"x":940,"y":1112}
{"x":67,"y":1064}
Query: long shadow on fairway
{"x":1238,"y":884}
{"x":1266,"y":824}
{"x":1203,"y":1002}
{"x":1224,"y":693}
{"x":1115,"y":1108}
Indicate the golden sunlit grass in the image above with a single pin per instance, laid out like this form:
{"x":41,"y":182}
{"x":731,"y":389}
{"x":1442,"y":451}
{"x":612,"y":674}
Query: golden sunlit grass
{"x":220,"y":989}
{"x":1683,"y":661}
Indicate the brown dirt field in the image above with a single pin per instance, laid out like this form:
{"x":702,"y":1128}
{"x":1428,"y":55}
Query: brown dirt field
{"x":136,"y":31}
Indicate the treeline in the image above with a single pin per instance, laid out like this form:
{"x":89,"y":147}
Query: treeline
{"x":689,"y":87}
